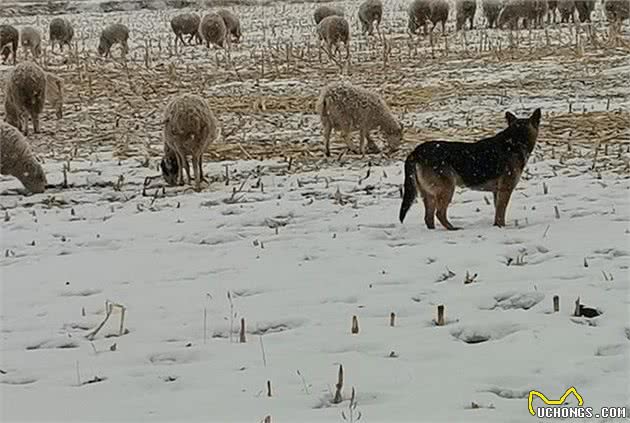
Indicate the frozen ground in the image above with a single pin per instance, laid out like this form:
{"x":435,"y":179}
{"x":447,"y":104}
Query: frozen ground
{"x":303,"y":243}
{"x":301,"y":254}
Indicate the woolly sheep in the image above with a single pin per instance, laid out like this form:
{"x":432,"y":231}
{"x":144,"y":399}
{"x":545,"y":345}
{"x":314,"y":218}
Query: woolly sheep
{"x":370,"y":11}
{"x":491,"y":10}
{"x":213,"y":30}
{"x":334,"y":30}
{"x":346,"y":108}
{"x":465,"y":11}
{"x":324,"y":11}
{"x":419,"y":11}
{"x":25,"y":95}
{"x":186,"y":24}
{"x":9,"y":39}
{"x":515,"y":10}
{"x":617,"y":10}
{"x":60,"y":32}
{"x":54,"y":93}
{"x":113,"y":34}
{"x":31,"y":41}
{"x":567,"y":10}
{"x":232,"y":24}
{"x":17,"y":159}
{"x":189,"y":127}
{"x":585,"y":8}
{"x":438,"y":12}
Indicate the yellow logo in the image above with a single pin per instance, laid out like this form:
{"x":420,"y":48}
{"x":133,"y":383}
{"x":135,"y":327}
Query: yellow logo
{"x":547,"y":401}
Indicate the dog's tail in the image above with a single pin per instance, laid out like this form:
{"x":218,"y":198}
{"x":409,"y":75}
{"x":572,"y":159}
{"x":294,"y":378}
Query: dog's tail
{"x":410,"y":191}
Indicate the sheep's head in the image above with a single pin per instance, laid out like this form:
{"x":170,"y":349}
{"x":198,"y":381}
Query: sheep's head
{"x":394,"y":136}
{"x":34,"y":179}
{"x":170,"y":168}
{"x":103,"y":46}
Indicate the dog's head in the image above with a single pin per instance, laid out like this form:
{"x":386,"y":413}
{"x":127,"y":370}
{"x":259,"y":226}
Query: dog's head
{"x":524,"y":129}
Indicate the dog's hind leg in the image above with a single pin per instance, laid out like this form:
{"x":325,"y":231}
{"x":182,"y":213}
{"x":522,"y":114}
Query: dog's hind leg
{"x":442,"y":200}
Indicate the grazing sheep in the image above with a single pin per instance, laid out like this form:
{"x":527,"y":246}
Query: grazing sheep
{"x":189,"y":127}
{"x":491,"y":10}
{"x":465,"y":11}
{"x":334,"y":30}
{"x":31,"y":41}
{"x":60,"y":31}
{"x":567,"y":10}
{"x":553,"y":5}
{"x":324,"y":11}
{"x":585,"y":8}
{"x":419,"y":12}
{"x":438,"y":12}
{"x":370,"y":11}
{"x":25,"y":95}
{"x":213,"y":30}
{"x":54,"y":93}
{"x":346,"y":108}
{"x":186,"y":24}
{"x":516,"y":9}
{"x":617,"y":10}
{"x":232,"y":24}
{"x":17,"y":159}
{"x":113,"y":34}
{"x":9,"y":39}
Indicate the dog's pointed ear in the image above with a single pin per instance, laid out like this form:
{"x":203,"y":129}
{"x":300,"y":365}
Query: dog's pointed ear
{"x":510,"y":118}
{"x":535,"y":118}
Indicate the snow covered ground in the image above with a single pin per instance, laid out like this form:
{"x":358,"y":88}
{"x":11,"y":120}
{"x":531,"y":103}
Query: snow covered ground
{"x":300,"y":254}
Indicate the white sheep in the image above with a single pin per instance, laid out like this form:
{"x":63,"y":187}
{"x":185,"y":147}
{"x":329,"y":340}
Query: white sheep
{"x":17,"y":159}
{"x":25,"y":96}
{"x":334,"y":30}
{"x":113,"y":34}
{"x":60,"y":32}
{"x":346,"y":108}
{"x":213,"y":30}
{"x":31,"y":41}
{"x":189,"y":127}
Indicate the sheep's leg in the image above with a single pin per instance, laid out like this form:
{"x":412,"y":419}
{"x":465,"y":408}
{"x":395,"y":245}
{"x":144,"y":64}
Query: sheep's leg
{"x":35,"y":120}
{"x":195,"y":163}
{"x":362,"y":141}
{"x":348,"y":140}
{"x":203,"y":178}
{"x":327,"y":131}
{"x":180,"y":170}
{"x":187,"y":168}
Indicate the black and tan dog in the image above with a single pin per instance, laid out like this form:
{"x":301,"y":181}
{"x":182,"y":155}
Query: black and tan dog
{"x":492,"y":164}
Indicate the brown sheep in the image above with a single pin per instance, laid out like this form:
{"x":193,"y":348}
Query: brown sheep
{"x":585,"y":8}
{"x":344,"y":107}
{"x":465,"y":11}
{"x":186,"y":24}
{"x":370,"y":11}
{"x":213,"y":30}
{"x":334,"y":30}
{"x":113,"y":34}
{"x":567,"y":10}
{"x":31,"y":41}
{"x":17,"y":159}
{"x":324,"y":11}
{"x":491,"y":10}
{"x":25,"y":96}
{"x":54,"y":93}
{"x":189,"y":127}
{"x":60,"y":31}
{"x":232,"y":24}
{"x":419,"y":12}
{"x":9,"y":40}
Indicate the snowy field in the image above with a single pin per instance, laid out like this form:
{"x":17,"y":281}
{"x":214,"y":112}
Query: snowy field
{"x":297,"y":244}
